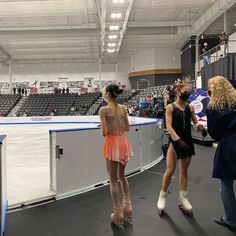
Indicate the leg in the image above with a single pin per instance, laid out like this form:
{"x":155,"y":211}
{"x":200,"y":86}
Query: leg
{"x":127,"y":206}
{"x":123,"y":182}
{"x":228,"y":200}
{"x":116,"y":217}
{"x":183,"y":173}
{"x":184,"y":203}
{"x":171,"y":160}
{"x":112,"y":168}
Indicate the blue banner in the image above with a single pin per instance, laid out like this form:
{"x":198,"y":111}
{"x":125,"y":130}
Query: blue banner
{"x":199,"y":99}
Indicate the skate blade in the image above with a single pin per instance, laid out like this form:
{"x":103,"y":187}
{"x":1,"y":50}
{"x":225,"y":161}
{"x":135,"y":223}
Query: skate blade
{"x":160,"y":212}
{"x":186,"y":212}
{"x":118,"y":225}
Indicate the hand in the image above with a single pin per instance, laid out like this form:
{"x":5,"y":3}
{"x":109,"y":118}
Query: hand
{"x":200,"y":128}
{"x":181,"y":143}
{"x":183,"y":147}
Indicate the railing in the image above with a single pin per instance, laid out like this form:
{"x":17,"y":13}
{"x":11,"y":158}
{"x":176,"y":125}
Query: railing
{"x":216,"y":53}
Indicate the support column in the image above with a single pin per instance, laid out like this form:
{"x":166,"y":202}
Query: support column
{"x":225,"y":22}
{"x":116,"y":72}
{"x":10,"y":76}
{"x":100,"y":73}
{"x":197,"y":64}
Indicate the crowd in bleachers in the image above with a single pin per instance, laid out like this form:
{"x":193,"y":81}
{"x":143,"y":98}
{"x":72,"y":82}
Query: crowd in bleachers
{"x":150,"y":102}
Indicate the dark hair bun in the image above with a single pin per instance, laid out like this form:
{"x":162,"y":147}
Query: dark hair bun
{"x":114,"y":90}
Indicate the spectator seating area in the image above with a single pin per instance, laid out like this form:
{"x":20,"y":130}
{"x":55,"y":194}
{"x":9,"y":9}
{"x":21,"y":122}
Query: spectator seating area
{"x":144,"y":93}
{"x":83,"y":102}
{"x":57,"y":104}
{"x":7,"y":102}
{"x":147,"y":103}
{"x":122,"y":98}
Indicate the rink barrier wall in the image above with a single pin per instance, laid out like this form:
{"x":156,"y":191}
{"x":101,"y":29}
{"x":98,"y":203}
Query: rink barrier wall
{"x":3,"y":189}
{"x":75,"y":173}
{"x":75,"y":155}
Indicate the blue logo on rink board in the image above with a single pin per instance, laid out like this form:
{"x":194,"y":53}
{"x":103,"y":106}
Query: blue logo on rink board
{"x":199,"y":99}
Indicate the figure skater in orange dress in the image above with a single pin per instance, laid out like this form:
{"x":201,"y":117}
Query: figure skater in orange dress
{"x":116,"y":151}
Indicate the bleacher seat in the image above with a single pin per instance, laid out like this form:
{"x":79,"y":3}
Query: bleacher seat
{"x":7,"y":102}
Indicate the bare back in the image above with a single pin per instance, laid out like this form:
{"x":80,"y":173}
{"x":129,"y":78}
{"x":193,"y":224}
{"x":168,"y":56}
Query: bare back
{"x":114,"y":121}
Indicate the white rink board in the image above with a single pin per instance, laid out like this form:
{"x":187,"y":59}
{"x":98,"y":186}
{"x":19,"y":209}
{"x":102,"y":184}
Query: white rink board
{"x":80,"y":167}
{"x":28,"y":162}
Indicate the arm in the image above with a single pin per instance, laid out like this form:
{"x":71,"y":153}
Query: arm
{"x":126,"y":121}
{"x":212,"y":124}
{"x":197,"y":125}
{"x":193,"y":117}
{"x":103,"y":121}
{"x":172,"y":133}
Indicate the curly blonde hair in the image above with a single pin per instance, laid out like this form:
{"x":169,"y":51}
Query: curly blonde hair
{"x":223,"y":94}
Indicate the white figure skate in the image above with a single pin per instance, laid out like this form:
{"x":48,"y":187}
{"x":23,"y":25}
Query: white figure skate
{"x":161,"y":202}
{"x":184,"y":204}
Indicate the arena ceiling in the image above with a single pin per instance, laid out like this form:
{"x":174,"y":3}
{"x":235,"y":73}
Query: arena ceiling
{"x":86,"y":30}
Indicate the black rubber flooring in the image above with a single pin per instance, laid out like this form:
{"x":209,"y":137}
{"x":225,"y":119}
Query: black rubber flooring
{"x":89,"y":213}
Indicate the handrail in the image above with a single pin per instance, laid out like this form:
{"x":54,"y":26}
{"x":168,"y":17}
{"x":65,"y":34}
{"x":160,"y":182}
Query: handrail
{"x":220,"y":51}
{"x":216,"y":47}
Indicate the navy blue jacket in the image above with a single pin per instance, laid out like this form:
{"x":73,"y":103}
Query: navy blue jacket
{"x":221,"y":126}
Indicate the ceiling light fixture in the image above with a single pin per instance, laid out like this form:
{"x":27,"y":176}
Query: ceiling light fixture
{"x":111,"y":44}
{"x":118,"y":1}
{"x":114,"y":27}
{"x":110,"y":50}
{"x":113,"y":36}
{"x":116,"y":15}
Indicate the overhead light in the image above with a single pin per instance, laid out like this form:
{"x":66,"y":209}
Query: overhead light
{"x":111,"y":44}
{"x":110,"y":50}
{"x":118,"y":1}
{"x":234,"y":24}
{"x":114,"y":27}
{"x":116,"y":15}
{"x":113,"y":36}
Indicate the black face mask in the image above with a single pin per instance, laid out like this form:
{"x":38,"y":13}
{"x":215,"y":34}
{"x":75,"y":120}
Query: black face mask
{"x":209,"y":92}
{"x":184,"y":96}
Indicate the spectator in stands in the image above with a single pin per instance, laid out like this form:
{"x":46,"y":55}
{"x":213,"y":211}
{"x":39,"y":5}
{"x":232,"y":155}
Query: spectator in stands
{"x":223,"y":39}
{"x":25,"y":91}
{"x":56,"y":90}
{"x":22,"y":91}
{"x":172,"y":94}
{"x":63,"y":90}
{"x":116,"y":151}
{"x":19,"y":90}
{"x":55,"y":112}
{"x":205,"y":54}
{"x":221,"y":123}
{"x":14,"y":90}
{"x":67,"y":90}
{"x":148,"y":98}
{"x":166,"y":95}
{"x":59,"y":90}
{"x":52,"y":113}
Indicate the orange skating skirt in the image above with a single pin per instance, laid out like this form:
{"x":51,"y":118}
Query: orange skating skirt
{"x":117,"y":148}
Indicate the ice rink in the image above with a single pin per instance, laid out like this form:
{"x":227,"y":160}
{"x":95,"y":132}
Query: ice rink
{"x":28,"y":169}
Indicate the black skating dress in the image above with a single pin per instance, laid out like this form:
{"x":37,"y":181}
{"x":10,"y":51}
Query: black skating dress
{"x":181,"y":123}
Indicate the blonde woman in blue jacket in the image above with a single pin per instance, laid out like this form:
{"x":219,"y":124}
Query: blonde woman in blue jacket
{"x":221,"y":122}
